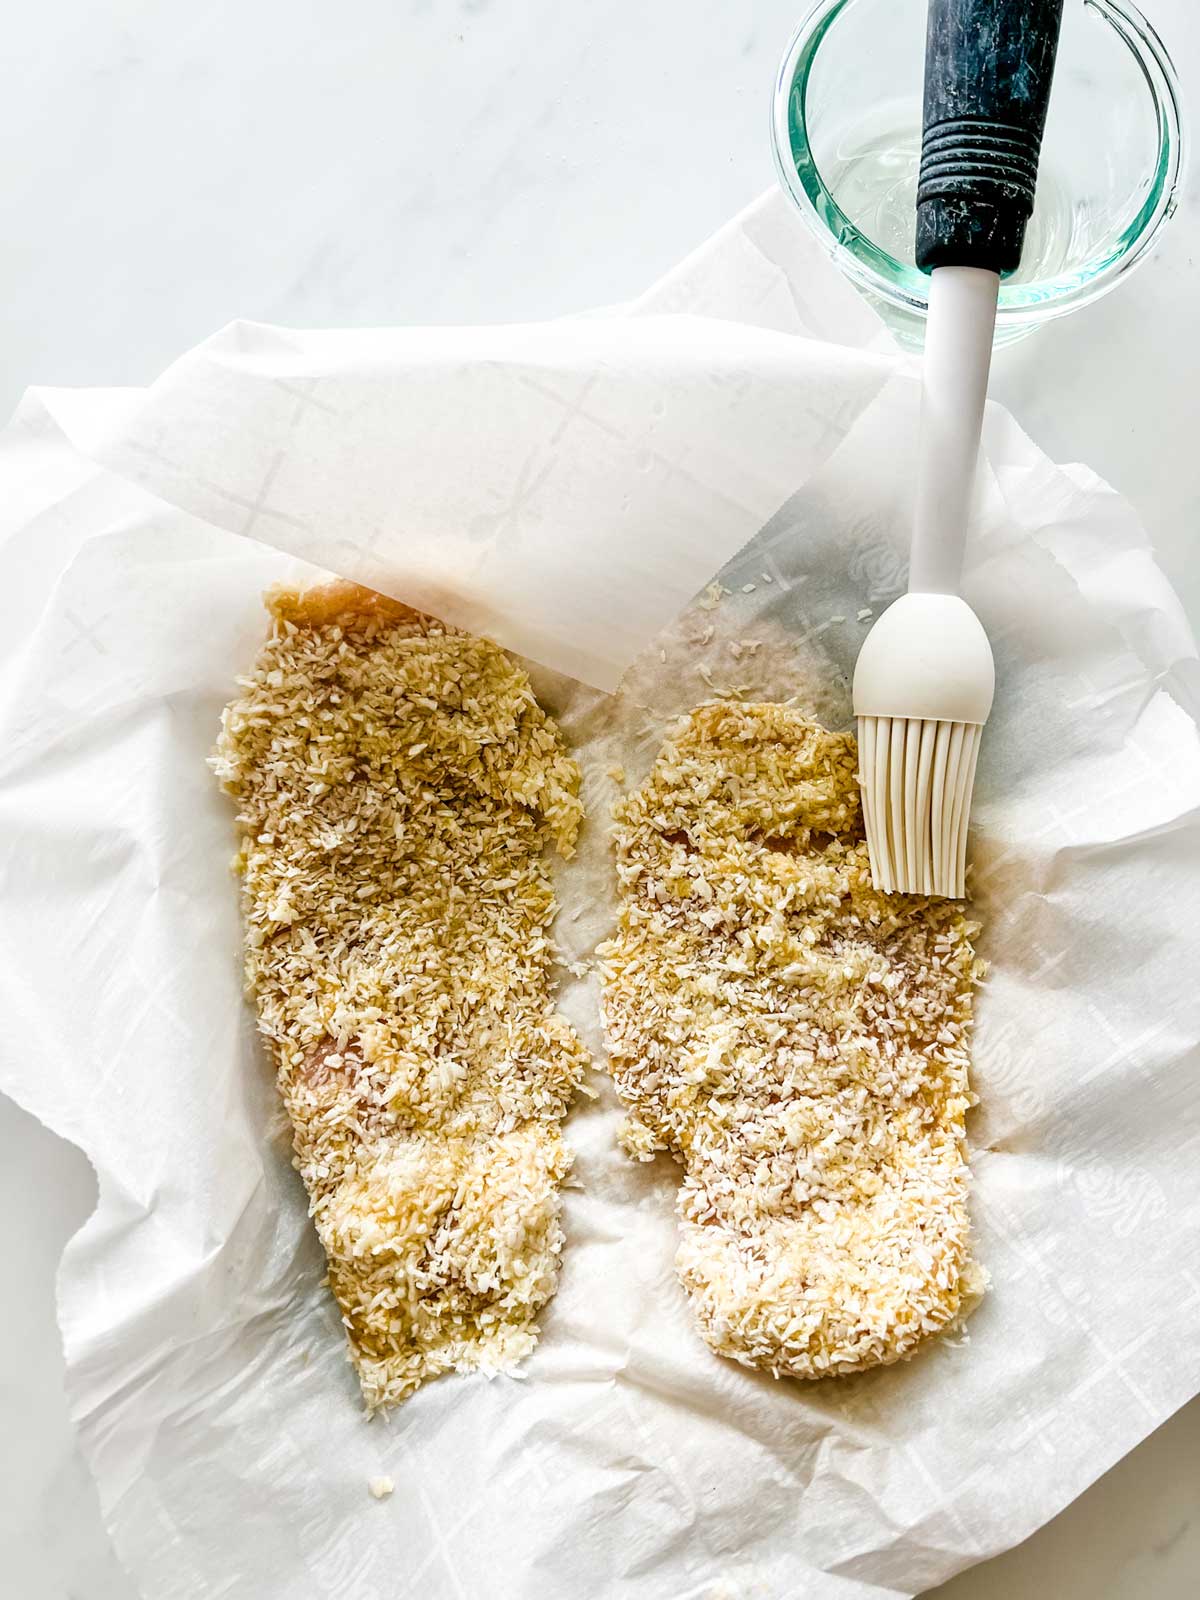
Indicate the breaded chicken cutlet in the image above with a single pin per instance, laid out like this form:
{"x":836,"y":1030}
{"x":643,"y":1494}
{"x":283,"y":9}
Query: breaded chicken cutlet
{"x":799,"y":1042}
{"x":397,"y":785}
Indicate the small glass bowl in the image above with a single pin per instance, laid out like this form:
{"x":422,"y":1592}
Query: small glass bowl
{"x":846,"y":133}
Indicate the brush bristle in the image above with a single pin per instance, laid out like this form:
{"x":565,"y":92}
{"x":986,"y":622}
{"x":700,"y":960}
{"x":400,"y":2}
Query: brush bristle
{"x":916,"y":777}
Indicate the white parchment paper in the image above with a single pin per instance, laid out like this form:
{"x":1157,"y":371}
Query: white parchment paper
{"x":568,"y":487}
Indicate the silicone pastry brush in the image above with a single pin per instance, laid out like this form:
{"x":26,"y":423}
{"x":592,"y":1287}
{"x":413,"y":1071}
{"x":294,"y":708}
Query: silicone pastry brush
{"x":924,"y":681}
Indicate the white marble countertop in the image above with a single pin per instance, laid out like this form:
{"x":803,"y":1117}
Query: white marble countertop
{"x":424,"y":161}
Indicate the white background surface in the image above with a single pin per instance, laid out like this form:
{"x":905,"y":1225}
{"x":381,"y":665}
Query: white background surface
{"x":170,"y":168}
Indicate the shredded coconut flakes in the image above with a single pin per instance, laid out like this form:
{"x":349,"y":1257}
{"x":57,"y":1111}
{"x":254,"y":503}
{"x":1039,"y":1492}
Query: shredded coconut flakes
{"x":397,"y":784}
{"x":799,"y":1042}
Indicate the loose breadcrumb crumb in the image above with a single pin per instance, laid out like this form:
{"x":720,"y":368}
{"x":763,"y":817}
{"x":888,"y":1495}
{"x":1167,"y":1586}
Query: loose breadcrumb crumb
{"x":381,"y":1487}
{"x":397,"y":784}
{"x":799,"y":1042}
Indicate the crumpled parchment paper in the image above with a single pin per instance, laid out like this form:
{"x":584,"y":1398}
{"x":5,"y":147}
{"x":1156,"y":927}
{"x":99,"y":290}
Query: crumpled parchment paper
{"x":568,"y":487}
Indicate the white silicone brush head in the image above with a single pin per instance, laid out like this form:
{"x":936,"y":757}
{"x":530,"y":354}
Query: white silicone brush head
{"x":926,"y":656}
{"x":923,"y":688}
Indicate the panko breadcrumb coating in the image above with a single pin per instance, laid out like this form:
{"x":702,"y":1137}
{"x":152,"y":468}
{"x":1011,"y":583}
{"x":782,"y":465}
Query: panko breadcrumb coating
{"x":799,"y":1042}
{"x":397,"y":785}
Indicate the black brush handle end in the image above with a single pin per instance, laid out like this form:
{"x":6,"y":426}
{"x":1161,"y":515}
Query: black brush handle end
{"x":988,"y":68}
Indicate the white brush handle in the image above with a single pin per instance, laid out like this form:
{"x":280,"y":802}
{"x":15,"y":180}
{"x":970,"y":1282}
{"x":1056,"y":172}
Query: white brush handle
{"x":958,"y":355}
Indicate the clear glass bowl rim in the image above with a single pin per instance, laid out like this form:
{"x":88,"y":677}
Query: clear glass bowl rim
{"x":902,"y":285}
